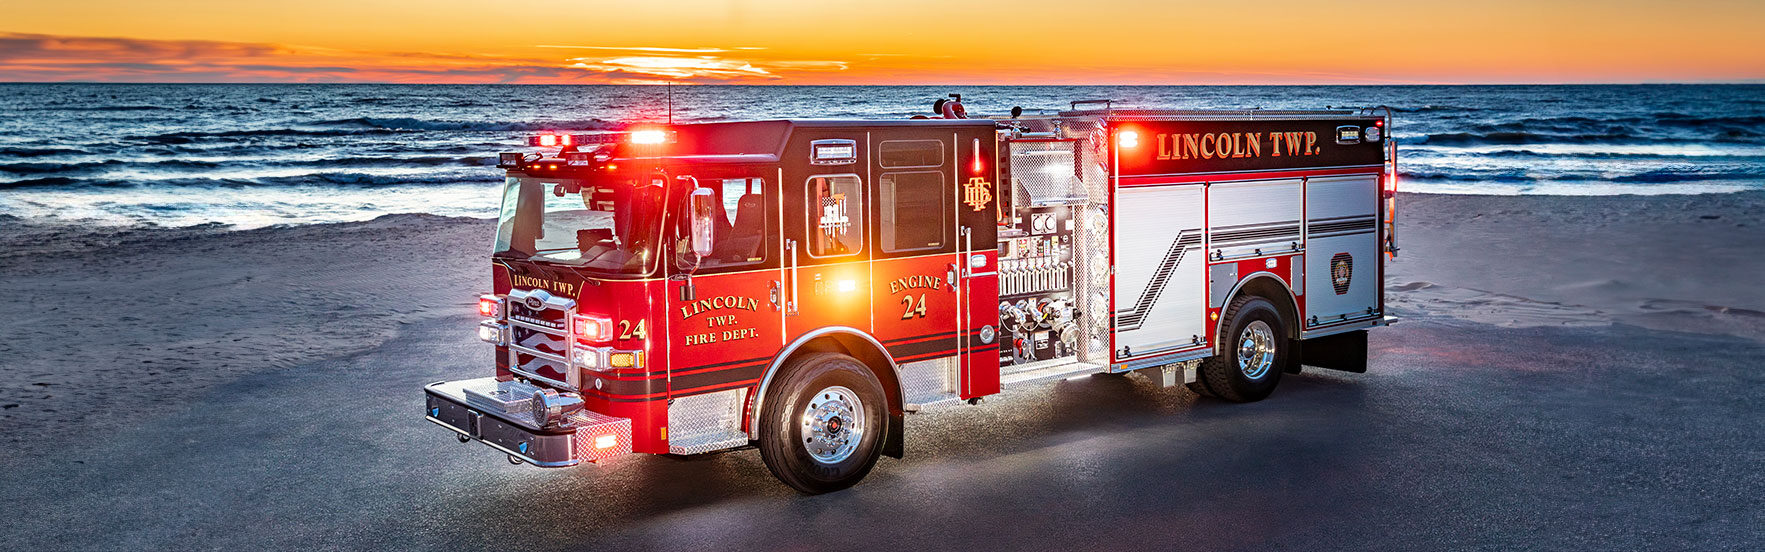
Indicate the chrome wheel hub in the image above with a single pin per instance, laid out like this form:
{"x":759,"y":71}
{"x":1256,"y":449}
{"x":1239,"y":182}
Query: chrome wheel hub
{"x":833,"y":424}
{"x":1256,"y":350}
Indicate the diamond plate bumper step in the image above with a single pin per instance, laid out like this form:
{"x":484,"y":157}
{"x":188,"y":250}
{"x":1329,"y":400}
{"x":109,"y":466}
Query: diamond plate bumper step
{"x":506,"y":424}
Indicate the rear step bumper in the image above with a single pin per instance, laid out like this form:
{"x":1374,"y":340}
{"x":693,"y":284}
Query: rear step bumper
{"x":585,"y":436}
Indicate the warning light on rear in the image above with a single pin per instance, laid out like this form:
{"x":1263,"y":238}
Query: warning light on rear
{"x":1127,"y":139}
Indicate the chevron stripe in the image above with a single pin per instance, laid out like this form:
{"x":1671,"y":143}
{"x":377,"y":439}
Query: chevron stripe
{"x":1131,"y":319}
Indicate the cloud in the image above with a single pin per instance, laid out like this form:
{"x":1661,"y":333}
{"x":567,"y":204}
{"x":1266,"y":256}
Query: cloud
{"x":644,"y":49}
{"x":53,"y":58}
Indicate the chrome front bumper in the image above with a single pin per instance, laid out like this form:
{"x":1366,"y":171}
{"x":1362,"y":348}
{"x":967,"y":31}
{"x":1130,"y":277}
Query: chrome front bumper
{"x":508,"y":426}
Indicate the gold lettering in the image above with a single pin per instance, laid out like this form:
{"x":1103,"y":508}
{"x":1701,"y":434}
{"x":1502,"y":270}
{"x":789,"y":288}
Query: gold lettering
{"x":1206,"y":141}
{"x":1255,"y":142}
{"x":1191,"y":148}
{"x":1311,"y":140}
{"x":1164,"y":150}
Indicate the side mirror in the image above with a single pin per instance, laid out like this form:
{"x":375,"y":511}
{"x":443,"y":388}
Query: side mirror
{"x":704,"y":235}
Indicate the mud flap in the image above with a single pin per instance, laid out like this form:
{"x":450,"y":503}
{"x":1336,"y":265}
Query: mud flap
{"x":1344,"y":351}
{"x":894,"y":443}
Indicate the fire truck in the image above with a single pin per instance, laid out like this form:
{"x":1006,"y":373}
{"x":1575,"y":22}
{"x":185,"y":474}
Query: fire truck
{"x":800,"y":286}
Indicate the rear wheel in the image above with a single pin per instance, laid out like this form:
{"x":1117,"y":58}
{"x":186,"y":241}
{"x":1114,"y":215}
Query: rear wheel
{"x":823,"y":423}
{"x":1257,"y":350}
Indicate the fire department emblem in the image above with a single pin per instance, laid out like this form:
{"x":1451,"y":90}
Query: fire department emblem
{"x":977,"y":193}
{"x":1341,"y":271}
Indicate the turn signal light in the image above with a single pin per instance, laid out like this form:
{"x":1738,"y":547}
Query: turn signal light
{"x":591,"y":328}
{"x":489,"y":306}
{"x":625,"y":360}
{"x":606,"y":441}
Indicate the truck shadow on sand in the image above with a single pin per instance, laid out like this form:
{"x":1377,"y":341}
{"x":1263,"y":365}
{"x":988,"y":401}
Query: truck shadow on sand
{"x":951,"y":452}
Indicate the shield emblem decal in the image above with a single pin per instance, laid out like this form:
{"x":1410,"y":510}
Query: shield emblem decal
{"x":1341,"y":272}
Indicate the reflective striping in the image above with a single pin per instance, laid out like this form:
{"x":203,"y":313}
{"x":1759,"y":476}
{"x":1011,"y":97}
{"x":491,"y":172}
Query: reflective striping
{"x":1131,"y":318}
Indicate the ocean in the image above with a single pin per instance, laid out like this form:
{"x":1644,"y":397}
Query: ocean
{"x":259,"y":155}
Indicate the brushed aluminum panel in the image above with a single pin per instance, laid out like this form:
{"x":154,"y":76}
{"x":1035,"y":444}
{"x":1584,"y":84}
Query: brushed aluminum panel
{"x":706,"y":422}
{"x":1149,"y":221}
{"x":1241,"y":204}
{"x":1332,"y":197}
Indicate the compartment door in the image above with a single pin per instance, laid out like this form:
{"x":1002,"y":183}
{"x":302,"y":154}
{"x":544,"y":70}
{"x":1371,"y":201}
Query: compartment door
{"x":1342,"y":249}
{"x":1160,"y":290}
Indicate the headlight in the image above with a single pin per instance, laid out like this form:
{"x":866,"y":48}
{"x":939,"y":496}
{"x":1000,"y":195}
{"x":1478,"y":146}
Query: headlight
{"x":491,"y":331}
{"x":586,"y":358}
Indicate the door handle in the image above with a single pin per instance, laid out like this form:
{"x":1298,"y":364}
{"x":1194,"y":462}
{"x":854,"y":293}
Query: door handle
{"x":790,"y":306}
{"x":950,"y":277}
{"x":775,"y":294}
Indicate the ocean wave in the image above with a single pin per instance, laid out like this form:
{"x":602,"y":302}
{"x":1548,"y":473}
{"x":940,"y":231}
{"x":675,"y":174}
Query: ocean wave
{"x":40,"y":152}
{"x":339,"y":179}
{"x":174,"y":165}
{"x":413,"y":124}
{"x":187,"y":137}
{"x":1661,"y":175}
{"x":1616,"y":152}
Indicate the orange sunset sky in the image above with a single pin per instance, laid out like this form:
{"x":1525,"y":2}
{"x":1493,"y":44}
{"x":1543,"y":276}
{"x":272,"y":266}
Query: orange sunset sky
{"x":884,"y":42}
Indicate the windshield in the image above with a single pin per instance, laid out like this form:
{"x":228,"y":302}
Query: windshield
{"x":607,"y":225}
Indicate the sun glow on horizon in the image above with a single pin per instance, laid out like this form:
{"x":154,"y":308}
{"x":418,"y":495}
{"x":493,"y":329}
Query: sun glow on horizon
{"x":910,"y":41}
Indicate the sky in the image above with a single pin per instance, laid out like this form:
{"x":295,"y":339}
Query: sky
{"x":885,"y":42}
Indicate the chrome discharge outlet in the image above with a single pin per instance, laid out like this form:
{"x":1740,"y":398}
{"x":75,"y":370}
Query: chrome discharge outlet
{"x":550,"y":408}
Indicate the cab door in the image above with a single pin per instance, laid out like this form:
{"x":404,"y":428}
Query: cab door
{"x":725,"y":319}
{"x":917,"y":267}
{"x":827,"y":244}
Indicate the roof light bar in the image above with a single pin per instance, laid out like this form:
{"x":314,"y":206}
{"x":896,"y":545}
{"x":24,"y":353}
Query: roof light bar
{"x":651,"y":136}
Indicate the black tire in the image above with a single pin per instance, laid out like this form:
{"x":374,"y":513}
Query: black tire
{"x":804,"y":386}
{"x":1222,"y":374}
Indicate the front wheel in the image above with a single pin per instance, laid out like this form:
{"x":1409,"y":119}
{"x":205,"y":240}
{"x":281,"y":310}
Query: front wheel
{"x":1257,"y":350}
{"x":822,"y":426}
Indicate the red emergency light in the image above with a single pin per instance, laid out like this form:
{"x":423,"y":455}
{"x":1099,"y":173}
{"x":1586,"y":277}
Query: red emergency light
{"x":551,"y":140}
{"x":1127,"y":139}
{"x":978,"y":166}
{"x":591,"y":328}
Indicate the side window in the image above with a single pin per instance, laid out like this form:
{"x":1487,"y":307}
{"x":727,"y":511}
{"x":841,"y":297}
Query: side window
{"x":836,"y":215}
{"x":913,"y":210}
{"x":916,"y":154}
{"x":740,"y":227}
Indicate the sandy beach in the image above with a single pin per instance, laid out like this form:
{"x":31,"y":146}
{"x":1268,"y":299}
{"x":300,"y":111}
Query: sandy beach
{"x":130,"y":349}
{"x":107,"y":327}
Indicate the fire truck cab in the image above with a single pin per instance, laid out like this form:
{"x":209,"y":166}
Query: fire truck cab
{"x":799,"y":286}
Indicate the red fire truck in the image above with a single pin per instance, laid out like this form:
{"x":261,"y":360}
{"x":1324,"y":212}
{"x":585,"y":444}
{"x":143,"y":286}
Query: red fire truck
{"x":799,"y":286}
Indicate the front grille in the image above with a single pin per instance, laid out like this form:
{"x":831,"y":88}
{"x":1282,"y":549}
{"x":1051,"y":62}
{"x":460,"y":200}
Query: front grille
{"x":539,"y":338}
